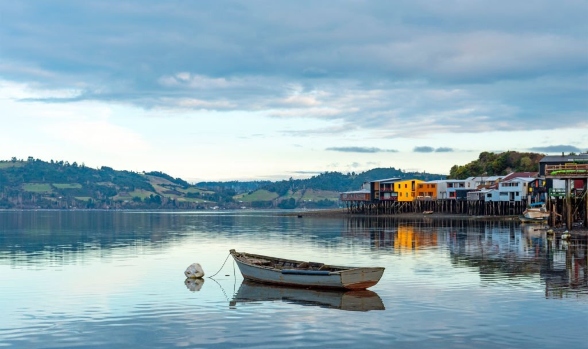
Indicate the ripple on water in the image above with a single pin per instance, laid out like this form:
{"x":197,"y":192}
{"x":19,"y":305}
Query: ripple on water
{"x":117,"y":286}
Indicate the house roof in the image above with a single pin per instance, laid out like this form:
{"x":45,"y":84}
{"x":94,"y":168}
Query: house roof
{"x":362,"y":191}
{"x":485,"y":178}
{"x":387,"y":180}
{"x":520,"y":175}
{"x":564,"y":158}
{"x":447,"y":180}
{"x":519,"y":179}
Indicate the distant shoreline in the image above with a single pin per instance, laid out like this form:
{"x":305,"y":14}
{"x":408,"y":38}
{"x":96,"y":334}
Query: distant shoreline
{"x":342,"y":213}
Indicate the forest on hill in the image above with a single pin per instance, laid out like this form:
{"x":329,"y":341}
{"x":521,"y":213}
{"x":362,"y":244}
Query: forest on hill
{"x":496,"y":164}
{"x":38,"y":184}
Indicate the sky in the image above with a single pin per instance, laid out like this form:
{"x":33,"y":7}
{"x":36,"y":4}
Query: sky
{"x":268,"y":90}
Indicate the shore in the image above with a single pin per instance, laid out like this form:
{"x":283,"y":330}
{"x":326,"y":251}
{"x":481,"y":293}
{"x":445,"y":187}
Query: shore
{"x":576,"y":231}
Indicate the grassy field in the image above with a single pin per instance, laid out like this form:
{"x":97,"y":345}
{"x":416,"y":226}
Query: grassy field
{"x":258,"y":195}
{"x":195,"y":200}
{"x":158,"y":180}
{"x":313,"y":195}
{"x":142,"y":193}
{"x":196,"y":190}
{"x":37,"y":187}
{"x":7,"y":164}
{"x":67,"y":185}
{"x":316,"y":195}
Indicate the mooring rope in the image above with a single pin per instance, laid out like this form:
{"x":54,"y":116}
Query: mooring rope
{"x":221,"y":268}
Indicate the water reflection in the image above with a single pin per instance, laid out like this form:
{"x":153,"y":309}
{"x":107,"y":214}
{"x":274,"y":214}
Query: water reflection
{"x":501,"y":251}
{"x":194,"y":285}
{"x":115,"y":280}
{"x":360,"y":300}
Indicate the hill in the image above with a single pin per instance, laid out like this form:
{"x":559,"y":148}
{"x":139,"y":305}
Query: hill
{"x":493,"y":164}
{"x":34,"y":183}
{"x":57,"y":184}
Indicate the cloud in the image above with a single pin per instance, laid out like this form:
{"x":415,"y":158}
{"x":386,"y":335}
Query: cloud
{"x":558,"y":149}
{"x":427,"y":149}
{"x":456,"y":68}
{"x":424,"y":149}
{"x":361,"y":150}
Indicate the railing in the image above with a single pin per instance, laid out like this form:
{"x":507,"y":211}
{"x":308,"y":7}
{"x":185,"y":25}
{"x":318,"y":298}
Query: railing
{"x":566,"y":170}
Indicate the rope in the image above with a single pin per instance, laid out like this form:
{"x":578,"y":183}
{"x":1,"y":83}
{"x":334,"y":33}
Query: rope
{"x":221,"y":268}
{"x":222,"y":289}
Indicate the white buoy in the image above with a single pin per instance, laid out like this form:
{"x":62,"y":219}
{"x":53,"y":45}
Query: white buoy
{"x":194,"y":271}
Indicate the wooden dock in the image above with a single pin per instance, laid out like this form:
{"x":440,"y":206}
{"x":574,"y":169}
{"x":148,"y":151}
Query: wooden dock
{"x":568,"y":206}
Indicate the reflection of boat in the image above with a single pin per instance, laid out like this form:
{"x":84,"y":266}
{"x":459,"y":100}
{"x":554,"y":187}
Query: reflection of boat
{"x":533,"y":220}
{"x":536,"y":211}
{"x":281,"y":271}
{"x":356,"y":300}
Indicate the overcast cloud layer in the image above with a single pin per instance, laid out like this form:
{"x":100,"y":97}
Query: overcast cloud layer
{"x":378,"y":69}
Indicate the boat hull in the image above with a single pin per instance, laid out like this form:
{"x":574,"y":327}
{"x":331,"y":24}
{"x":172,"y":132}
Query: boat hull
{"x":349,"y":279}
{"x":536,"y":213}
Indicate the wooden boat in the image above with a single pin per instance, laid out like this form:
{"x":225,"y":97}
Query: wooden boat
{"x":536,"y":211}
{"x":280,"y":271}
{"x":351,"y":300}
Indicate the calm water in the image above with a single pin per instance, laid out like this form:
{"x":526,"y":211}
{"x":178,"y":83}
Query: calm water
{"x":115,"y":280}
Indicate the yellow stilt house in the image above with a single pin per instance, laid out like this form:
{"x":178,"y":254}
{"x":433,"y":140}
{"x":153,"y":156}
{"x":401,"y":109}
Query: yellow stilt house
{"x":406,"y":189}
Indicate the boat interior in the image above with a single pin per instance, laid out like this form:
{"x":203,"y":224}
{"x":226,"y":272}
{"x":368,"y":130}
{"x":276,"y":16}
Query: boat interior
{"x":279,"y":263}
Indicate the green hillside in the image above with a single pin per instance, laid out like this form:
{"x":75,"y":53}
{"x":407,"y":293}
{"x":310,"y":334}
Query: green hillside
{"x":33,"y":183}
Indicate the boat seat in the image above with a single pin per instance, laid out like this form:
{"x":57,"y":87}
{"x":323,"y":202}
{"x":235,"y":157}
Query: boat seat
{"x":303,"y":265}
{"x":260,"y":261}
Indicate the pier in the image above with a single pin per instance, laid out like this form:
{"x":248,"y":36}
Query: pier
{"x":568,"y":205}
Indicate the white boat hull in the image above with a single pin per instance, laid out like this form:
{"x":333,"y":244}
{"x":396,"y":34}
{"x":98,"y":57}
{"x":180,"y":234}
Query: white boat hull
{"x":535,"y":213}
{"x":348,"y":278}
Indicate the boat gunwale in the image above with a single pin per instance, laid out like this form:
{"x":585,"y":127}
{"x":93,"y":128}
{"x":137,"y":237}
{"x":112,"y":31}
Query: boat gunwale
{"x":341,"y":269}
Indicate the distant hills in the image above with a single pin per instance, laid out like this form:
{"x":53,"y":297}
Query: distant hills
{"x":33,"y":183}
